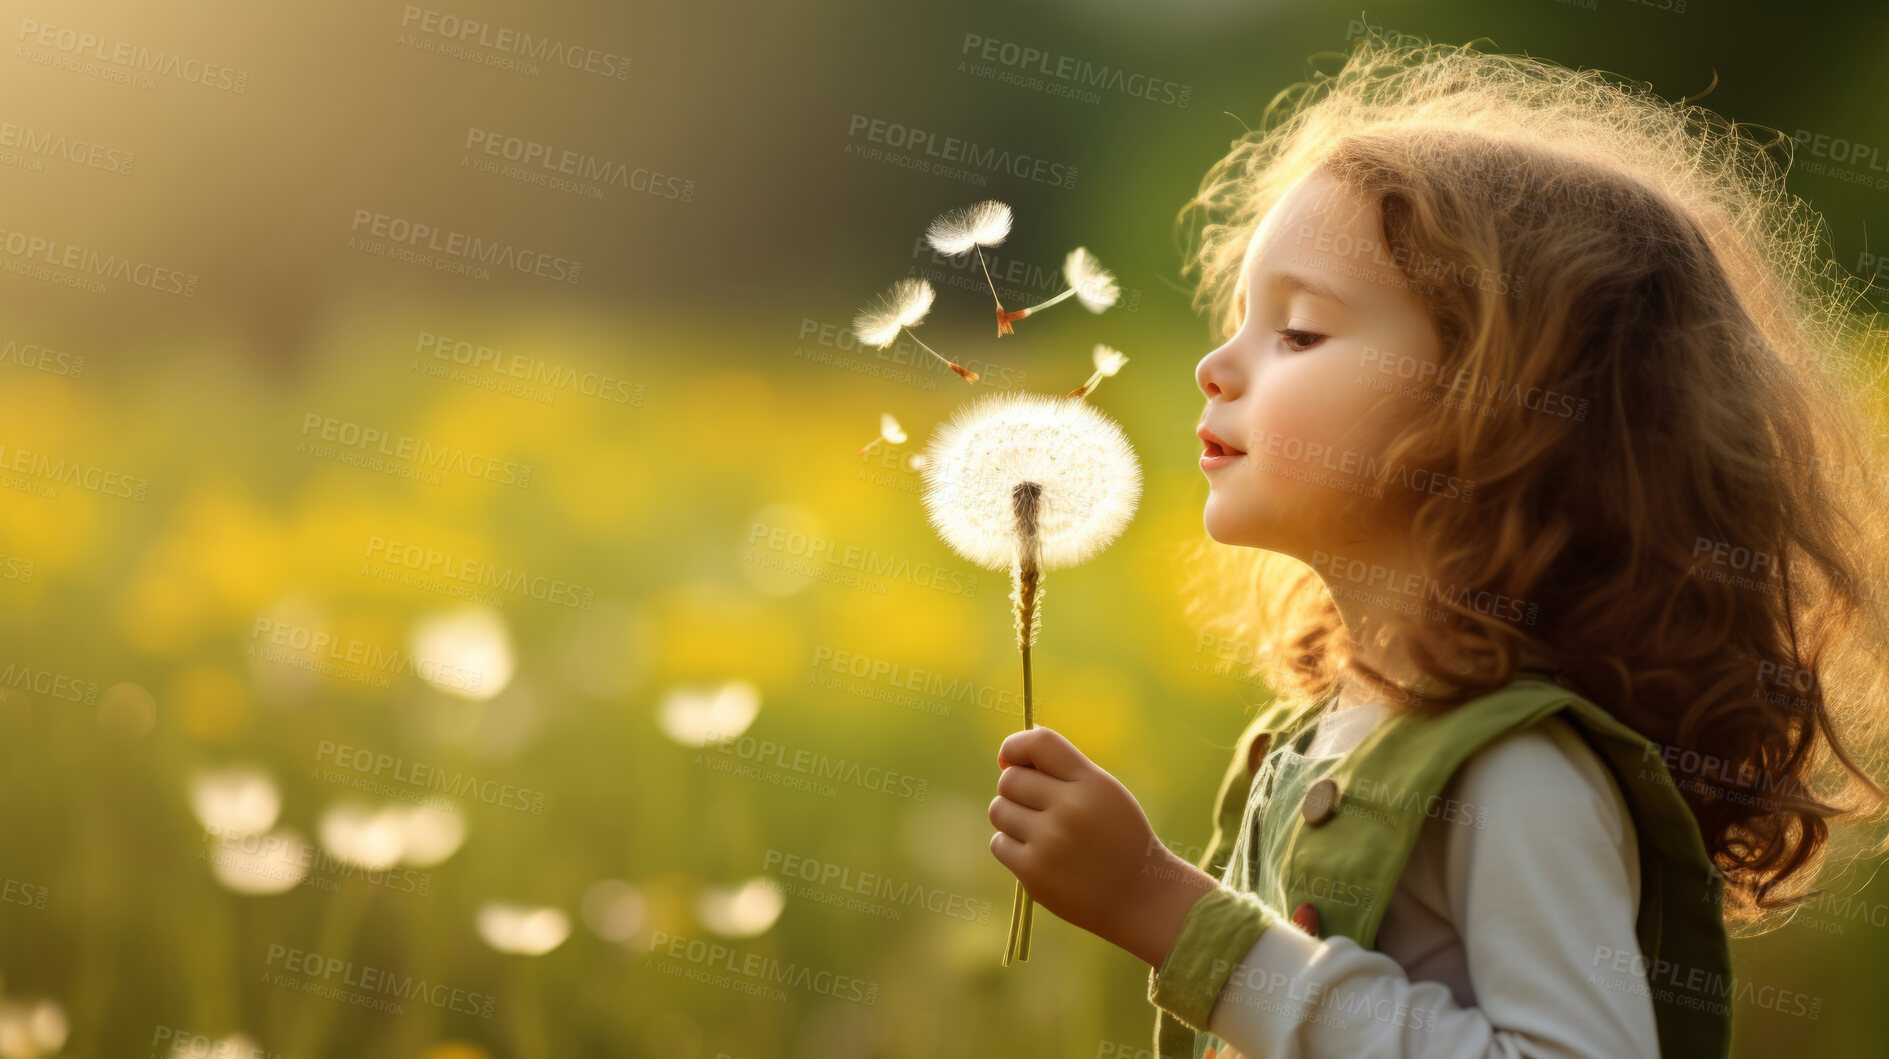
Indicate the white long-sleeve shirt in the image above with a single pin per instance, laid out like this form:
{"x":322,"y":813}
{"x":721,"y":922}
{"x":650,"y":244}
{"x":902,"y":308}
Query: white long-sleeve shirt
{"x":1505,"y":936}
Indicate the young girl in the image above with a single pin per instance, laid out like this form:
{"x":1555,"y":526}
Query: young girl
{"x":1534,"y":424}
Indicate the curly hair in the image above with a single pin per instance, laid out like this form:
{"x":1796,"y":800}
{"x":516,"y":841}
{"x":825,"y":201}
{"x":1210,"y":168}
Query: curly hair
{"x":1695,"y":547}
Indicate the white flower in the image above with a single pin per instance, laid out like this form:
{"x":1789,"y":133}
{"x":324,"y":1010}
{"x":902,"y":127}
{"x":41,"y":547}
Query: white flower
{"x":1080,"y":459}
{"x":614,"y":910}
{"x":466,"y":652}
{"x":1094,"y":285}
{"x":431,"y":834}
{"x":261,"y":864}
{"x":702,"y":714}
{"x":740,"y":912}
{"x":522,"y":930}
{"x":365,"y":837}
{"x":235,"y":800}
{"x":985,"y":223}
{"x":31,"y":1028}
{"x":903,"y":306}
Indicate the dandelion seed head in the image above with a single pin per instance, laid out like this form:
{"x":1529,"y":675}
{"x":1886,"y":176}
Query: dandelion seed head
{"x":1090,"y":478}
{"x":1095,"y":285}
{"x":903,"y":306}
{"x":890,"y":430}
{"x":1108,"y":359}
{"x":985,"y":223}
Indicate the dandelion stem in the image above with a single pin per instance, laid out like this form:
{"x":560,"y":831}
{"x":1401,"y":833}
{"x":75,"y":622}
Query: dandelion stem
{"x":987,"y":279}
{"x":1026,"y":584}
{"x":967,"y":374}
{"x":1045,"y":305}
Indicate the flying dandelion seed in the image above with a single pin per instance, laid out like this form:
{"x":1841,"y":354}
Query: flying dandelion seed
{"x":1090,"y":284}
{"x":889,"y":430}
{"x":1029,"y":483}
{"x":1108,"y":361}
{"x":974,"y":227}
{"x":901,"y":309}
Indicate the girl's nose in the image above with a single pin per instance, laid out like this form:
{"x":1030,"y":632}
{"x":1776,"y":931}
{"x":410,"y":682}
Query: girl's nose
{"x":1219,"y":373}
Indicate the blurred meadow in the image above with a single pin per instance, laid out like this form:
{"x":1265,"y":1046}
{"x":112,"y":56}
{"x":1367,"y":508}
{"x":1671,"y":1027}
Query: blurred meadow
{"x":402,"y":655}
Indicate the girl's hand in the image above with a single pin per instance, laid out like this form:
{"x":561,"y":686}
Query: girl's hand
{"x":1083,"y":848}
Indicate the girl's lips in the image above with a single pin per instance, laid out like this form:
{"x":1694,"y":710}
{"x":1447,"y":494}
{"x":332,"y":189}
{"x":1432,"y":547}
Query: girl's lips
{"x":1209,"y":462}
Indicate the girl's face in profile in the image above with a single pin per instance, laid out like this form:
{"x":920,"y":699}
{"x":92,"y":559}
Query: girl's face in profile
{"x":1329,"y":322}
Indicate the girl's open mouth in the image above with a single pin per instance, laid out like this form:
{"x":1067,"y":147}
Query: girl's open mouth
{"x":1215,"y":452}
{"x":1217,"y":456}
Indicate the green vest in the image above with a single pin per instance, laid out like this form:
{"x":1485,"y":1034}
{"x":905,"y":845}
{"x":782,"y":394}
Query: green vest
{"x":1338,"y":869}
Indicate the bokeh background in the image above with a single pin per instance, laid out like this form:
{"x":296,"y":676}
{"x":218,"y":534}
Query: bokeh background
{"x":413,"y":656}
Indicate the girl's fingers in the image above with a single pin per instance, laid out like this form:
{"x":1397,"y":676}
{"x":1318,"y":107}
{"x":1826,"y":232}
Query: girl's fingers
{"x":1010,"y":818}
{"x":1008,"y":851}
{"x":1028,"y":787}
{"x":1046,"y":750}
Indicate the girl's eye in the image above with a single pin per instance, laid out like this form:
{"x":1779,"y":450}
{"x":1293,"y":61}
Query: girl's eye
{"x":1299,"y":341}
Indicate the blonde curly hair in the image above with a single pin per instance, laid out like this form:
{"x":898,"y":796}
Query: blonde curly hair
{"x":1700,"y":549}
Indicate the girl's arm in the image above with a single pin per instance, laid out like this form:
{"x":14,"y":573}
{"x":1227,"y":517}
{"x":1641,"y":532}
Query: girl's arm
{"x":1544,"y":897}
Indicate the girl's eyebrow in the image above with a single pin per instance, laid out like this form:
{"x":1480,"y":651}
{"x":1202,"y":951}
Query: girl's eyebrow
{"x":1301,"y":281}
